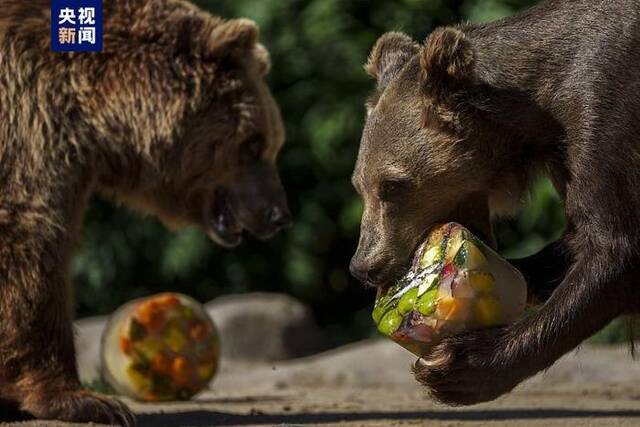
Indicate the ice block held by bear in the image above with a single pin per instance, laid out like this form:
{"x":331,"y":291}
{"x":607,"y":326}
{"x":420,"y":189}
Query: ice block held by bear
{"x":456,"y":283}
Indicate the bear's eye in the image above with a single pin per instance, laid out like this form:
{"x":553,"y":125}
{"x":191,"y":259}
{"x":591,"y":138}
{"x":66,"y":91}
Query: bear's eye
{"x":392,"y":189}
{"x":252,"y":148}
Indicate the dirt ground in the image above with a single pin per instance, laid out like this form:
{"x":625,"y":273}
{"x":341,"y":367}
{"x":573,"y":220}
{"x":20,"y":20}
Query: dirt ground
{"x":368,"y":384}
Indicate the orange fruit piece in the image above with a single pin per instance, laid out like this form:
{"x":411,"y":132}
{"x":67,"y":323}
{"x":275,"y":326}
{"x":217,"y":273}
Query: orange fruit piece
{"x":181,"y":370}
{"x":151,"y":315}
{"x":169,"y":300}
{"x":161,"y":363}
{"x":125,"y":345}
{"x":452,"y":309}
{"x":198,"y":331}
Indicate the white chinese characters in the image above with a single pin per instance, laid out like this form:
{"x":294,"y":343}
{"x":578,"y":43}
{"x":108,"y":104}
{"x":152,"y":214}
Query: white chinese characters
{"x":78,"y":27}
{"x":67,"y":15}
{"x":87,"y":16}
{"x":66,"y":35}
{"x":87,"y":34}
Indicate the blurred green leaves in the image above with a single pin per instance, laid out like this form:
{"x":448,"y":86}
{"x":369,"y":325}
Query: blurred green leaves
{"x":540,"y":221}
{"x":488,"y":10}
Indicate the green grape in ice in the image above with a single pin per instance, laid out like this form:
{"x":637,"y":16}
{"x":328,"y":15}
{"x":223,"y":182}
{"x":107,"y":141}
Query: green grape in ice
{"x":427,"y":302}
{"x":390,"y":322}
{"x":378,"y":311}
{"x":407,"y":301}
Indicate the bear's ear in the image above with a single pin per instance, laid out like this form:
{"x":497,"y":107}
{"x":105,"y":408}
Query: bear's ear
{"x":390,"y":53}
{"x":262,"y":58}
{"x":447,"y":61}
{"x":231,"y":37}
{"x":213,"y":38}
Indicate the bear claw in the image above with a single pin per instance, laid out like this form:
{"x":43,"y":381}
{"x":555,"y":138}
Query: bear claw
{"x":83,"y":406}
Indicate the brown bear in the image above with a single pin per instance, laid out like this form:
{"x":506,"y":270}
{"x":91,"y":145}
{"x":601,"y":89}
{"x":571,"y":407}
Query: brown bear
{"x":457,"y":129}
{"x":173,"y":118}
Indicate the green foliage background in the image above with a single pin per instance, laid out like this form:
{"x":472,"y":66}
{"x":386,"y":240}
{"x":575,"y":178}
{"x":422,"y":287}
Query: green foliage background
{"x":318,"y":48}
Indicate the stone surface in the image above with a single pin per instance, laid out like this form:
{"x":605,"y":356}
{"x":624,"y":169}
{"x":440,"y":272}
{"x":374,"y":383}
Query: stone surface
{"x":87,"y":338}
{"x":265,"y":327}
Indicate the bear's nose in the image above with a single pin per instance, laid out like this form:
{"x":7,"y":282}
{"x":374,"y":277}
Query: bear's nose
{"x":362,"y":272}
{"x":278,"y":217}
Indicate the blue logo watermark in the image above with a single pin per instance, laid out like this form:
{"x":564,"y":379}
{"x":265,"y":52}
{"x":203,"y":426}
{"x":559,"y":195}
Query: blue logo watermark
{"x":76,"y":25}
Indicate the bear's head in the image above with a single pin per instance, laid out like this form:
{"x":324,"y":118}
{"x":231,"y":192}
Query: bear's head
{"x":428,"y":153}
{"x":183,"y":100}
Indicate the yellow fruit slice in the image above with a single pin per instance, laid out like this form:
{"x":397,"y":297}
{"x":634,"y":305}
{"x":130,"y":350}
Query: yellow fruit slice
{"x":149,"y":347}
{"x":431,"y":256}
{"x":436,"y":235}
{"x":428,"y":283}
{"x":488,"y":312}
{"x":206,"y":370}
{"x":475,"y":258}
{"x":139,"y":380}
{"x":482,"y":281}
{"x":175,"y":339}
{"x":452,"y":309}
{"x":453,"y":246}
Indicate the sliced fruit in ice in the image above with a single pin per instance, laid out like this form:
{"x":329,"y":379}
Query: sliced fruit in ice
{"x":436,"y":236}
{"x":449,"y":288}
{"x":138,"y":379}
{"x":136,"y":330}
{"x":431,"y":256}
{"x":461,"y":287}
{"x":470,"y":257}
{"x":198,"y":331}
{"x":125,"y":345}
{"x":390,"y":322}
{"x":453,"y":246}
{"x":482,"y":281}
{"x":448,"y":270}
{"x":444,"y":287}
{"x":427,"y":302}
{"x":452,"y":309}
{"x":476,"y":260}
{"x":429,"y":282}
{"x":181,"y":371}
{"x":205,"y":370}
{"x":488,"y":311}
{"x":149,"y":347}
{"x":175,"y":339}
{"x":421,"y":333}
{"x":378,"y":312}
{"x":407,"y":301}
{"x":160,"y":363}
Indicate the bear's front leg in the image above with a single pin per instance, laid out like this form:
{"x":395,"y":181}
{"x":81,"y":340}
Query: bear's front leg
{"x":37,"y":359}
{"x":482,"y":365}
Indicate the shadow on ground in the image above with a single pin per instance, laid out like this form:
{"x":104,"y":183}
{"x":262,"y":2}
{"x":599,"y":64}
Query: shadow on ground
{"x":211,"y":418}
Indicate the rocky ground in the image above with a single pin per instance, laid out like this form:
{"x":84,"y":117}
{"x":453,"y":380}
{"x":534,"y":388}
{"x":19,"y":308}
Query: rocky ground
{"x":369,"y":384}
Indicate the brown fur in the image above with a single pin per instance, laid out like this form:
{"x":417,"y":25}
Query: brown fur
{"x":458,"y":131}
{"x":173,"y":118}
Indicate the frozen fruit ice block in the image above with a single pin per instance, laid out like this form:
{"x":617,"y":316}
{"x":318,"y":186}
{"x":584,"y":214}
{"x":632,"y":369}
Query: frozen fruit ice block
{"x":455,"y":283}
{"x":164,"y":347}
